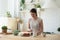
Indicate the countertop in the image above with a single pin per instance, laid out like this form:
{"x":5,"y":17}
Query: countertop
{"x":40,"y":37}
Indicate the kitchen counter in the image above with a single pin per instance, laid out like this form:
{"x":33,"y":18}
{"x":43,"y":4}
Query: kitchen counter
{"x":40,"y":37}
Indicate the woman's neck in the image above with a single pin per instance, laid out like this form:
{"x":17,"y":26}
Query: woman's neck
{"x":35,"y":18}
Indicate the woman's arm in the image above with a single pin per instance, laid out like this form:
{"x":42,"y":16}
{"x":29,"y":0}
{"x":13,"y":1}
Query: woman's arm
{"x":29,"y":26}
{"x":41,"y":26}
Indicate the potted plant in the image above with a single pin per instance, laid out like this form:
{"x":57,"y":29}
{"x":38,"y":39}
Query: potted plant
{"x":22,"y":4}
{"x":16,"y":32}
{"x":8,"y":14}
{"x":4,"y":29}
{"x":58,"y":29}
{"x":37,"y":5}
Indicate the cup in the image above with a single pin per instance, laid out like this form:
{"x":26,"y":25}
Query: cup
{"x":43,"y":34}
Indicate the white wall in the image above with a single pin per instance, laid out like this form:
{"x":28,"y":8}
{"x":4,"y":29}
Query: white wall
{"x":50,"y":3}
{"x":3,"y":6}
{"x":11,"y":6}
{"x":51,"y":19}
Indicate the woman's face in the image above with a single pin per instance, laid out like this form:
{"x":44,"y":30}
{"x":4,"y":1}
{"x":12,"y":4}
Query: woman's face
{"x":33,"y":14}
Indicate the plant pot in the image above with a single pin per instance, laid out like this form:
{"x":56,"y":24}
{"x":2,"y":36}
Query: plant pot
{"x":15,"y":34}
{"x":4,"y":31}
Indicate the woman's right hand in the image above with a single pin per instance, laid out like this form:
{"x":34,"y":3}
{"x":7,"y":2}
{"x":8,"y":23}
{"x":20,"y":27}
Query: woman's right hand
{"x":29,"y":30}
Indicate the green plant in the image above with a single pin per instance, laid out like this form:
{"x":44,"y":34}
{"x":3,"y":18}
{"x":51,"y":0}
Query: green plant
{"x":4,"y":27}
{"x":22,"y":4}
{"x":32,"y":1}
{"x":37,"y":5}
{"x":23,"y":1}
{"x":58,"y":29}
{"x":16,"y":32}
{"x":8,"y":14}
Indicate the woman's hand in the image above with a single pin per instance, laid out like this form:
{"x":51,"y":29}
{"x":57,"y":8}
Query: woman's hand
{"x":29,"y":30}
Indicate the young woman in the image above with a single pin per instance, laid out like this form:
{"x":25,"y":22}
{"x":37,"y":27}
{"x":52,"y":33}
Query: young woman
{"x":35,"y":23}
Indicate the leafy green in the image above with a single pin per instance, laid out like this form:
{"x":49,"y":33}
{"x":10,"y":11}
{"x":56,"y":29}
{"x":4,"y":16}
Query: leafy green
{"x":58,"y":29}
{"x":16,"y":32}
{"x":37,"y":5}
{"x":4,"y":27}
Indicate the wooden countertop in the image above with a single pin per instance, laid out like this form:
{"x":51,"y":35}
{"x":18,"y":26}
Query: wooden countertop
{"x":40,"y":37}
